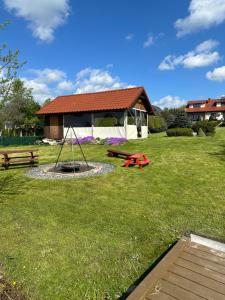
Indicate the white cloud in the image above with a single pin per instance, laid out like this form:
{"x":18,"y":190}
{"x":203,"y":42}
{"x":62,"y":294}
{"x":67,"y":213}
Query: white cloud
{"x":49,"y":75}
{"x":65,"y":85}
{"x":207,"y":46}
{"x":40,"y":90}
{"x":95,"y":80}
{"x":43,"y":16}
{"x":129,"y":37}
{"x":170,"y":102}
{"x":150,"y":41}
{"x":49,"y":83}
{"x":203,"y":14}
{"x":218,"y":74}
{"x":201,"y":56}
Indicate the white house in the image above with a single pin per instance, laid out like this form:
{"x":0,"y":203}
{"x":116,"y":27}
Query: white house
{"x":204,"y":109}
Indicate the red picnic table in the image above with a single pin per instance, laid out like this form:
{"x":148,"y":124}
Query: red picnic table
{"x":139,"y":159}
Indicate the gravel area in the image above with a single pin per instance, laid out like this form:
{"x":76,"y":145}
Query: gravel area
{"x":44,"y":171}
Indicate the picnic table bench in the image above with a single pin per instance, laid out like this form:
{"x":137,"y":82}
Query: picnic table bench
{"x":17,"y":157}
{"x":117,"y":153}
{"x":139,"y":159}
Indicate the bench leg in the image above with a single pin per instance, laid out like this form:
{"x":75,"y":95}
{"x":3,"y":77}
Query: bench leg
{"x":127,"y":163}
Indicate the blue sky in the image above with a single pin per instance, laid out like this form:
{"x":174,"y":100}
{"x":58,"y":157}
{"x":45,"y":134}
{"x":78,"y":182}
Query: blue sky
{"x":174,"y":48}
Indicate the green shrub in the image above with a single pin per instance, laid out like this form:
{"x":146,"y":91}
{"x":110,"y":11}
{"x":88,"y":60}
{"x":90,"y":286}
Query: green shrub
{"x":222,"y":124}
{"x":181,"y":120}
{"x":208,"y":127}
{"x":215,"y":122}
{"x":156,"y":124}
{"x":179,"y":132}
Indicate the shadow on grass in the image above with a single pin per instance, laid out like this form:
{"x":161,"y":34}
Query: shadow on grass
{"x":11,"y":184}
{"x":220,"y":154}
{"x":135,"y":284}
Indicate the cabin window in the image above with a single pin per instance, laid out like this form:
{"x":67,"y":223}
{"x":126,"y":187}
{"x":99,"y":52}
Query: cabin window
{"x":131,"y":119}
{"x":109,"y":119}
{"x":77,"y":120}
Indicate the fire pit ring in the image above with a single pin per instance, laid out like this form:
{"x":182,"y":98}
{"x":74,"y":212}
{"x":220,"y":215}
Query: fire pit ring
{"x":48,"y":171}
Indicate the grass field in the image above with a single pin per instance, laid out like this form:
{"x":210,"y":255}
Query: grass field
{"x":91,"y":238}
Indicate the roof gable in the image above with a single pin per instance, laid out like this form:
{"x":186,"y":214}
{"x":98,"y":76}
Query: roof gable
{"x":100,"y":101}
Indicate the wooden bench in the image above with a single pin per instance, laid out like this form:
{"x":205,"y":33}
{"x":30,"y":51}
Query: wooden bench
{"x":116,"y":153}
{"x":15,"y":158}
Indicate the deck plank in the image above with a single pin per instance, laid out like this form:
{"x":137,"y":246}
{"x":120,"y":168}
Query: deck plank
{"x":203,"y":262}
{"x":200,"y":270}
{"x":194,"y":287}
{"x":189,"y":271}
{"x":175,"y":291}
{"x":198,"y":278}
{"x":208,"y":256}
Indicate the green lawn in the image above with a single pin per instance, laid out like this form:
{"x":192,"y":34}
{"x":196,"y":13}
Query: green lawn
{"x":91,"y":238}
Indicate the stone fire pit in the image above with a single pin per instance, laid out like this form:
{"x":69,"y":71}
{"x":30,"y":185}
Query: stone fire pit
{"x":69,"y":170}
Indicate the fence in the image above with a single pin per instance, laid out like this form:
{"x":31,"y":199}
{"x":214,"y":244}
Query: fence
{"x":18,"y":140}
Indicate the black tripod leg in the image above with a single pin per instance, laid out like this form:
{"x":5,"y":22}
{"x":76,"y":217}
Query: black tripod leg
{"x":80,"y":147}
{"x":61,"y":148}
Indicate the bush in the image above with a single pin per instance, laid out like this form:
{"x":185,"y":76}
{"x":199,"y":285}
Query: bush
{"x":179,"y":132}
{"x":208,"y":127}
{"x":156,"y":130}
{"x":156,"y":124}
{"x":215,"y":122}
{"x":222,"y":124}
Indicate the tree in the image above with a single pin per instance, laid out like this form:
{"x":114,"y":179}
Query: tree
{"x":9,"y":65}
{"x":19,"y":107}
{"x":170,"y":120}
{"x":47,"y":101}
{"x":181,"y":120}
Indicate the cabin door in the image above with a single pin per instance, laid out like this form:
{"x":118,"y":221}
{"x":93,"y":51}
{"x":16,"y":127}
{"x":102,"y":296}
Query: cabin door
{"x":56,"y":127}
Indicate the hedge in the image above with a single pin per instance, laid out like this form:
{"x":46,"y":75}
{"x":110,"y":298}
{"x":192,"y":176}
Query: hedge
{"x":156,"y":124}
{"x":179,"y":132}
{"x":208,"y":127}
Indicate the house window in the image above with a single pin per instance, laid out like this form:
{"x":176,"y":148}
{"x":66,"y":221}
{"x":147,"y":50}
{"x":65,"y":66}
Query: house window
{"x":197,"y":105}
{"x":109,"y":119}
{"x":196,"y":117}
{"x":77,"y":120}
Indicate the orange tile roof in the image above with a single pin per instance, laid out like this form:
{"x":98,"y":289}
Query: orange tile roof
{"x":100,"y":101}
{"x":210,"y":106}
{"x":205,"y":109}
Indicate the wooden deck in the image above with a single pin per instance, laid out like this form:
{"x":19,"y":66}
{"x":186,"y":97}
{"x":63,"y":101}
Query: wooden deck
{"x":192,"y":270}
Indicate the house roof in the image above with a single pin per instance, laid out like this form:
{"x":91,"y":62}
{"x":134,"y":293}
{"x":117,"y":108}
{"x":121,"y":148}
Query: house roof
{"x":210,"y":106}
{"x":100,"y":101}
{"x":193,"y":269}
